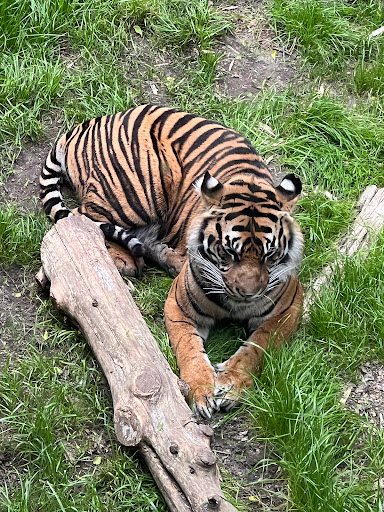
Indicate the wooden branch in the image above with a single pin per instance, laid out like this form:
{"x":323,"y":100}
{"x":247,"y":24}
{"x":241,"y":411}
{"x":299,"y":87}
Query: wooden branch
{"x":368,"y":223}
{"x":149,"y":409}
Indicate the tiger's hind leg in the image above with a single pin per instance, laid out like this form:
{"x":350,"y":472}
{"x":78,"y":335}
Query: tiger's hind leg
{"x":166,"y":257}
{"x":126,"y":264}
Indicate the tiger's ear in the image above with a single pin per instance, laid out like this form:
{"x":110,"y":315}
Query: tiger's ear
{"x":211,"y":190}
{"x":289,"y":191}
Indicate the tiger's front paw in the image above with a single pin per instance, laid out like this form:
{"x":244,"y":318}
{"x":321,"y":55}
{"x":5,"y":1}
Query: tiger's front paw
{"x":229,"y":385}
{"x":200,"y":395}
{"x":203,"y":401}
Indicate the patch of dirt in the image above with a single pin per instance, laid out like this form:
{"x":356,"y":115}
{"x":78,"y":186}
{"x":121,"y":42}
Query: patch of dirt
{"x":22,"y":186}
{"x":17,"y":312}
{"x":367,"y":397}
{"x":11,"y":468}
{"x":261,"y":486}
{"x":253,"y":58}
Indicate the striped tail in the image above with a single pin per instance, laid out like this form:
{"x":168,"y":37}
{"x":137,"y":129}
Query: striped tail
{"x":51,"y":177}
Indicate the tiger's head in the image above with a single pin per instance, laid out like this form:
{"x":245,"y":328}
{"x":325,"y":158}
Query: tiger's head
{"x":245,"y":242}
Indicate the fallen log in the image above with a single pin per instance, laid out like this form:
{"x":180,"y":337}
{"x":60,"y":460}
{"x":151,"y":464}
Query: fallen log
{"x":369,"y":221}
{"x":150,"y":411}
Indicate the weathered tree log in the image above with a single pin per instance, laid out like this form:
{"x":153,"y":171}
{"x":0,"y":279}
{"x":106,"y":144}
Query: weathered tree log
{"x":368,"y":223}
{"x":149,"y":409}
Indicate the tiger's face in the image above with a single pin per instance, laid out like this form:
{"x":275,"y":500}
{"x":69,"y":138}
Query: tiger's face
{"x":246,"y":242}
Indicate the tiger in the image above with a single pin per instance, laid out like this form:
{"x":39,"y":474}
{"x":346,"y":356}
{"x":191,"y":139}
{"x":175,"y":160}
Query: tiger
{"x":194,"y":197}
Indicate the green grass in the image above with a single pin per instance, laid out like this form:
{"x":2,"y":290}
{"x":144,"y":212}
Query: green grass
{"x":334,"y":37}
{"x":320,"y":446}
{"x":320,"y":29}
{"x":77,"y":60}
{"x":358,"y":286}
{"x":323,"y":221}
{"x":21,"y":235}
{"x":369,"y":70}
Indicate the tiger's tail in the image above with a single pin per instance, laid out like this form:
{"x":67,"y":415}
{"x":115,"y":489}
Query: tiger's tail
{"x":52,"y":175}
{"x":51,"y":178}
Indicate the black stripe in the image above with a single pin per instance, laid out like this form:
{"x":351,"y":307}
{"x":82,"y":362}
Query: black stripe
{"x":201,"y":138}
{"x":180,"y":123}
{"x":98,"y":210}
{"x":61,"y":214}
{"x":53,"y":155}
{"x":290,"y":304}
{"x":193,"y":303}
{"x":135,"y":148}
{"x":51,"y":172}
{"x":50,"y":204}
{"x":44,"y":190}
{"x":180,"y":141}
{"x":251,"y":213}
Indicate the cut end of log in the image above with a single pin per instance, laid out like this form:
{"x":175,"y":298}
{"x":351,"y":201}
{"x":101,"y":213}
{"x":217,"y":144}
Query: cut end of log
{"x":127,"y":426}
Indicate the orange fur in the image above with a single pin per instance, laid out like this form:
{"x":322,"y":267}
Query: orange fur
{"x":196,"y":198}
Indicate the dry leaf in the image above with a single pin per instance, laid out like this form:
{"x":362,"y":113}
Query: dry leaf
{"x":267,"y":129}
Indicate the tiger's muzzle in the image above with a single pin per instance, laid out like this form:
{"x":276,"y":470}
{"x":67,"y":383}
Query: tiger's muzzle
{"x":245,"y":280}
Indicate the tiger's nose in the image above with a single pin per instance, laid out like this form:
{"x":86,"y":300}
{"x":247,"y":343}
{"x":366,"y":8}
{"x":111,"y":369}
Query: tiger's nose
{"x":247,"y":281}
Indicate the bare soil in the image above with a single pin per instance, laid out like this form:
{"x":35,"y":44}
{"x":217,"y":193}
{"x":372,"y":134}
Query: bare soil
{"x":261,"y":484}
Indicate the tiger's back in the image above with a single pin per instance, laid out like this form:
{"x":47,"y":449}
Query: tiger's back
{"x":136,"y":169}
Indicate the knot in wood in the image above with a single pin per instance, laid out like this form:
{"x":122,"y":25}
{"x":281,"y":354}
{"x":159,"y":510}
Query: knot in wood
{"x":184,"y":388}
{"x":214,"y":502}
{"x":206,"y":430}
{"x":95,"y":303}
{"x":127,"y":426}
{"x":174,"y":448}
{"x":147,"y":384}
{"x":207,"y":458}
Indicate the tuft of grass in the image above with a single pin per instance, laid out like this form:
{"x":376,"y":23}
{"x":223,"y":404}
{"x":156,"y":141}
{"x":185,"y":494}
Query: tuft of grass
{"x":29,"y":85}
{"x":322,"y":221}
{"x":368,"y":73}
{"x":320,"y":29}
{"x":296,"y":406}
{"x":96,"y":87}
{"x":347,"y":317}
{"x":21,"y":235}
{"x":183,"y":22}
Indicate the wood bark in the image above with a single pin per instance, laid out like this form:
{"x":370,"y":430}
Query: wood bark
{"x":368,"y":223}
{"x":150,"y":411}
